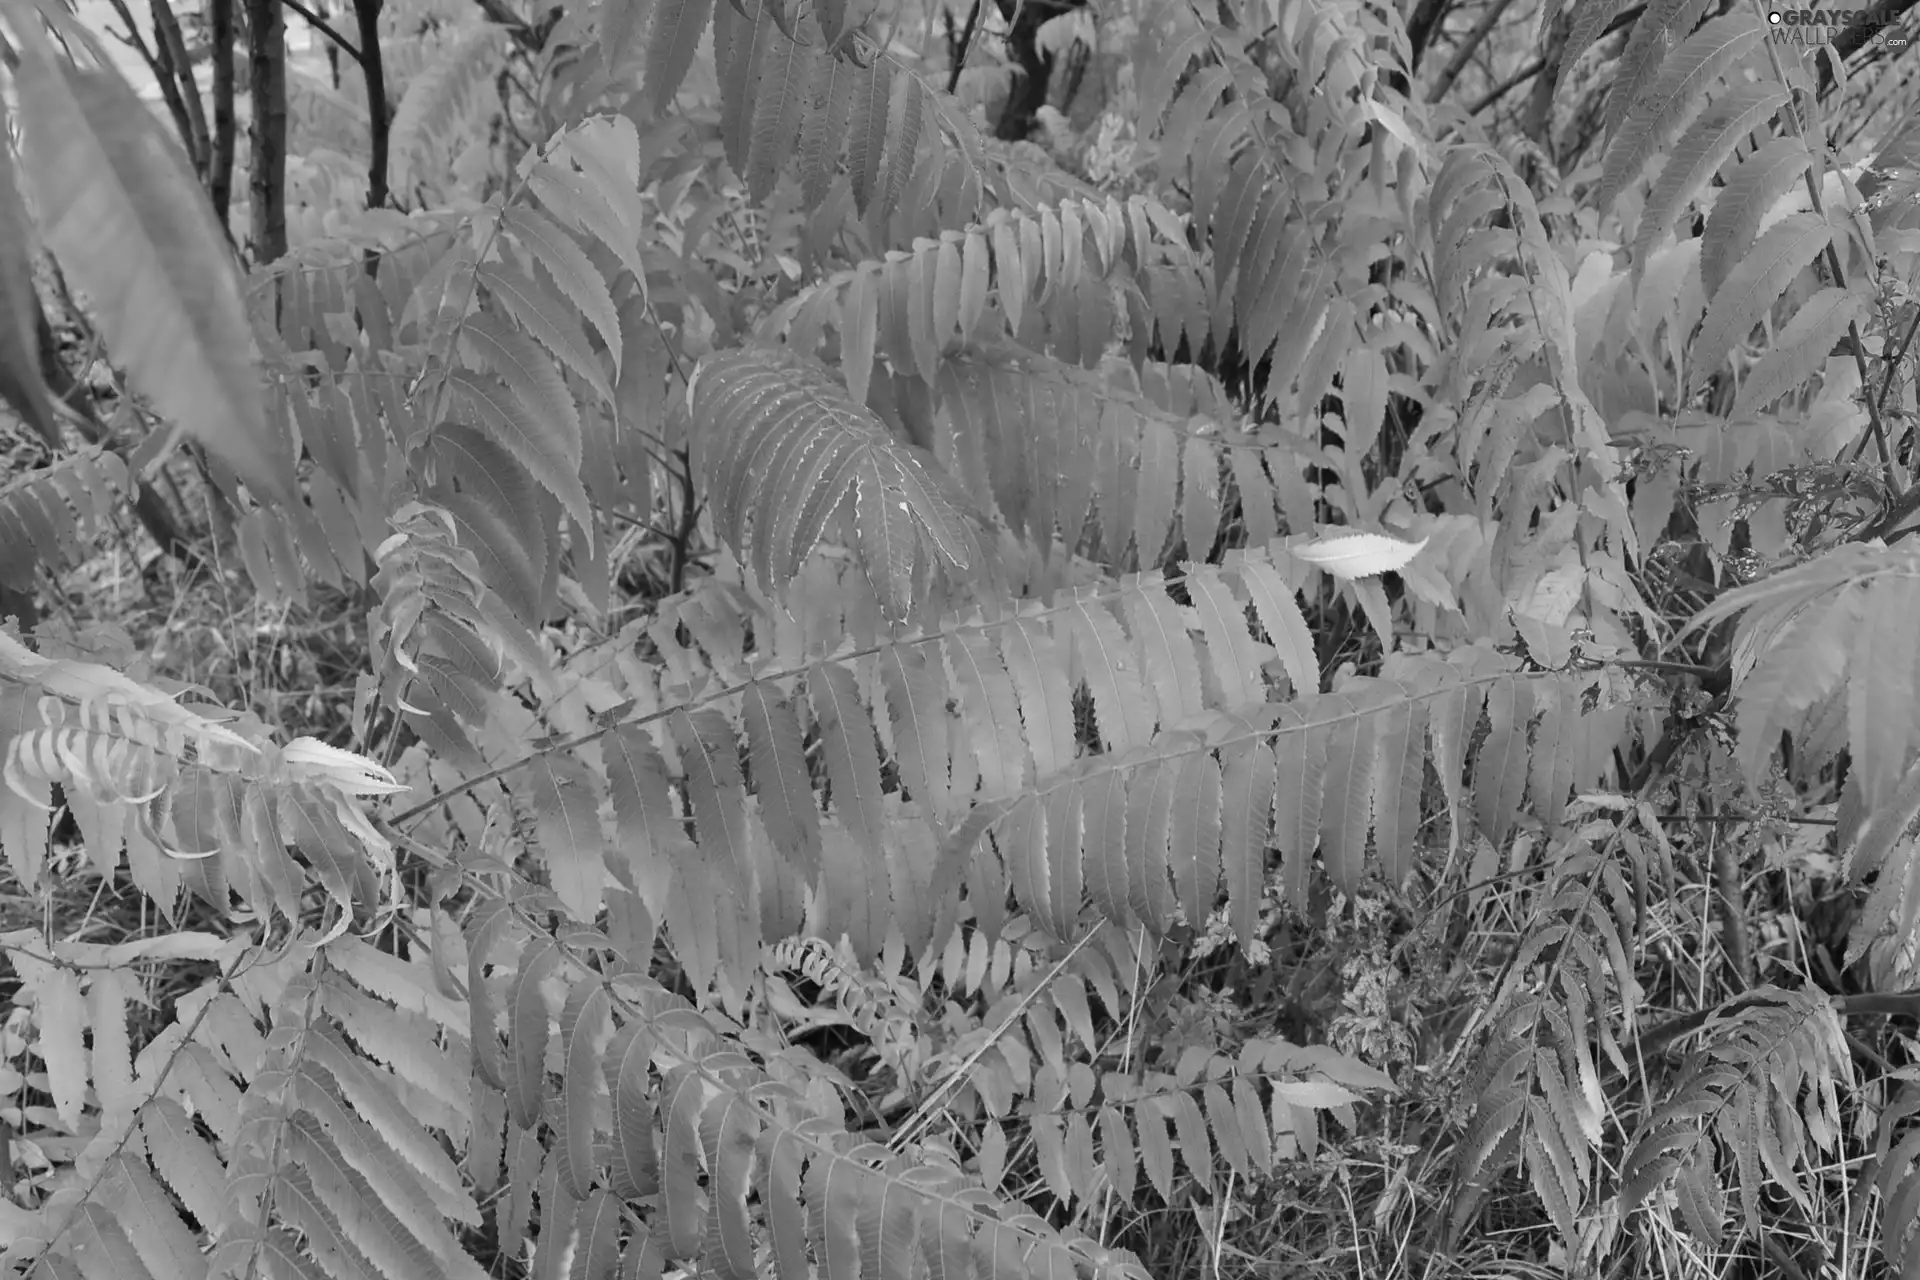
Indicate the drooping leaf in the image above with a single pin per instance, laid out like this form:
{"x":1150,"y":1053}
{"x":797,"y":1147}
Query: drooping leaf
{"x":1699,"y":155}
{"x":783,"y":90}
{"x":530,"y":1033}
{"x":1586,"y":24}
{"x":1752,"y":188}
{"x":20,"y":381}
{"x":675,"y":36}
{"x":585,"y":1030}
{"x":872,"y":97}
{"x":566,"y":815}
{"x":545,"y":318}
{"x":542,"y":445}
{"x":1754,"y":285}
{"x":780,"y":777}
{"x":768,"y":419}
{"x":133,"y":230}
{"x":1800,"y":349}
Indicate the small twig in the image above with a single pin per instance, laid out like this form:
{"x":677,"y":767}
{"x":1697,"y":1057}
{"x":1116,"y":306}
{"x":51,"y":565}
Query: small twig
{"x":665,"y":535}
{"x":1734,"y":819}
{"x":1671,"y":668}
{"x":1893,"y":361}
{"x":682,"y":538}
{"x":673,"y":357}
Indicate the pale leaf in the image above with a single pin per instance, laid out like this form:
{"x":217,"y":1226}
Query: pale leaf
{"x":1358,"y":555}
{"x":135,"y":234}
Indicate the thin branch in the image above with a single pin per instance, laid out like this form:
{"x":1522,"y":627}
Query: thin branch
{"x":1903,"y":503}
{"x":1468,"y":47}
{"x":1508,"y":85}
{"x":930,"y":1105}
{"x":966,"y":47}
{"x":1867,"y":1004}
{"x":171,"y":48}
{"x":1893,"y":362}
{"x":321,"y":25}
{"x":1744,"y":819}
{"x":169,"y":87}
{"x":1549,"y":66}
{"x":665,"y":535}
{"x":1670,"y":668}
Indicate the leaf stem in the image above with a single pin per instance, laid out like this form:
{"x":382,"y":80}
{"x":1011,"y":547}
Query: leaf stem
{"x":963,"y":1073}
{"x":1893,"y":361}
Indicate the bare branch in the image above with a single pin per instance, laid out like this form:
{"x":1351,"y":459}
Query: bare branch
{"x":1464,"y":54}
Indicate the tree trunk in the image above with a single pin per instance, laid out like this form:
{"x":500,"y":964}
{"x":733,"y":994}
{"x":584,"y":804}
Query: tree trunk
{"x":220,"y":35}
{"x":379,"y":119}
{"x":267,"y":136}
{"x":1028,"y":92}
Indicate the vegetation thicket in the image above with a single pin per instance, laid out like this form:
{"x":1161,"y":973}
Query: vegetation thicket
{"x":734,"y":637}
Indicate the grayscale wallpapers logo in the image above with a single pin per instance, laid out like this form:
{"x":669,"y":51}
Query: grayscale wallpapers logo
{"x":1818,"y":26}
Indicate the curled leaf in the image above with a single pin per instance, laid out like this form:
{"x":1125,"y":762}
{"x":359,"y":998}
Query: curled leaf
{"x":311,"y":760}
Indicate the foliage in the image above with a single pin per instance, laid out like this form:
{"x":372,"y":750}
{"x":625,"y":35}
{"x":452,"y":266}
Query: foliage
{"x":1076,"y":598}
